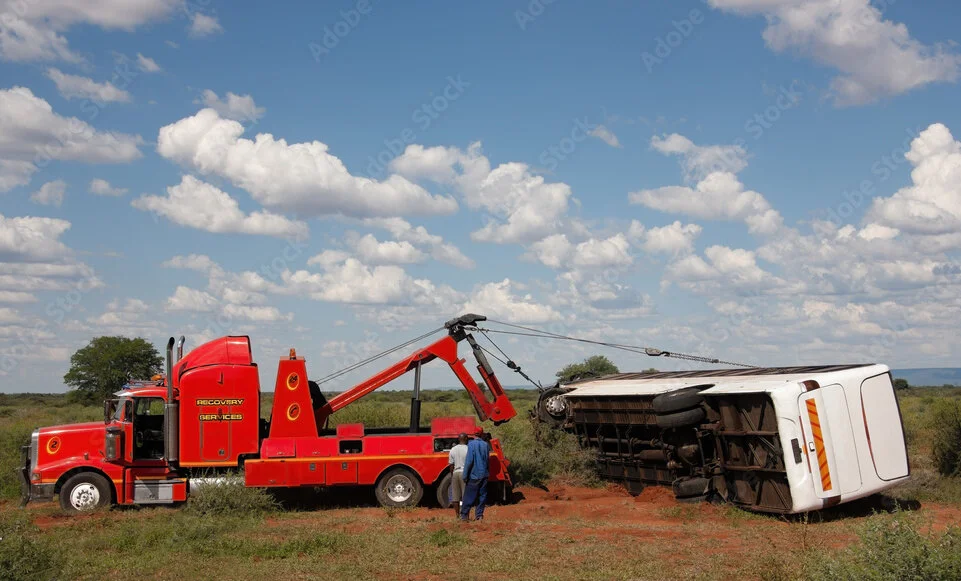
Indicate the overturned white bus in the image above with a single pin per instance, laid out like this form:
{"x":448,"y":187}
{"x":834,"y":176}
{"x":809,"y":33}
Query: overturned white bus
{"x":781,"y":440}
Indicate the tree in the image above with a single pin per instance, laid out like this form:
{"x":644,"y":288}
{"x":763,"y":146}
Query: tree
{"x":900,"y":384}
{"x":107,"y":363}
{"x":594,"y":366}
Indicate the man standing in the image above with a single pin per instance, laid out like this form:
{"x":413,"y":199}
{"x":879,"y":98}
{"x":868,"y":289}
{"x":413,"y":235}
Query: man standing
{"x":456,"y":458}
{"x":476,"y":471}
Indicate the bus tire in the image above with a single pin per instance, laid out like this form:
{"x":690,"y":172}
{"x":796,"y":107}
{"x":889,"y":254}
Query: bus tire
{"x":688,"y":487}
{"x":682,"y":419}
{"x":676,"y":401}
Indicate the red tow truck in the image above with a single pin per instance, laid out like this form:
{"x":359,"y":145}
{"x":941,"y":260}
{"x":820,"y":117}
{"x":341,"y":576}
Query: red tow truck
{"x":162,"y":439}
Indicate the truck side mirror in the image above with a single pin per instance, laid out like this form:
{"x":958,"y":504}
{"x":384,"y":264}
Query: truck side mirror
{"x":113,"y":444}
{"x":109,"y":408}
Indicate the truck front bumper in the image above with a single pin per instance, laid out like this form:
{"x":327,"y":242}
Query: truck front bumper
{"x":30,"y":491}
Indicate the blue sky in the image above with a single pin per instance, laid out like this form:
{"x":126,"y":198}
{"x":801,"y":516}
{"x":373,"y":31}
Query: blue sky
{"x":676,"y":174}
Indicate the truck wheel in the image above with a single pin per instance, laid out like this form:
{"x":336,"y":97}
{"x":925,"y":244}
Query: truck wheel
{"x":675,"y":401}
{"x":688,"y":487}
{"x":399,"y":487}
{"x":85,"y":492}
{"x":693,"y":499}
{"x":681,"y":419}
{"x":443,"y":491}
{"x":552,"y":408}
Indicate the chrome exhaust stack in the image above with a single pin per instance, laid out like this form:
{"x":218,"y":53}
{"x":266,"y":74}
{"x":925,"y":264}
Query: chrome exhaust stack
{"x":171,"y":410}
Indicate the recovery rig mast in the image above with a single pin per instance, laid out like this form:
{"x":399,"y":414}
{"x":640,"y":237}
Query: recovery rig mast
{"x":498,"y":408}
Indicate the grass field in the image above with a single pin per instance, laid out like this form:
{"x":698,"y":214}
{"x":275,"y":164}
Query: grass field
{"x":567,"y":526}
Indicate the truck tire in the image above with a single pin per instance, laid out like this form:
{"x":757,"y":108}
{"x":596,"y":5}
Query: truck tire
{"x":84,"y":492}
{"x":443,"y":491}
{"x":688,"y":487}
{"x":399,"y":487}
{"x":693,"y":499}
{"x":676,"y":401}
{"x":682,"y":419}
{"x":552,"y":408}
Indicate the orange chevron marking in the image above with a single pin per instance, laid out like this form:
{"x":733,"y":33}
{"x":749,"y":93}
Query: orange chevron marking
{"x":822,"y":454}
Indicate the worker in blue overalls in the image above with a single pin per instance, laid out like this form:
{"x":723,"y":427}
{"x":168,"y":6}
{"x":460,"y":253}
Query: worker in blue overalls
{"x":476,"y":471}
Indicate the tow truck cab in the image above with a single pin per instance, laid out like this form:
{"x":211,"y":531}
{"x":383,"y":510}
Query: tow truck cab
{"x":159,"y":439}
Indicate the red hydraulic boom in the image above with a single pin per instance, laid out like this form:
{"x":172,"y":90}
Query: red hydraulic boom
{"x":497,"y":407}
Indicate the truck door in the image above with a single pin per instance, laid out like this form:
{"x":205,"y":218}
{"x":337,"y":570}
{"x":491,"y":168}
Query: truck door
{"x":830,"y":441}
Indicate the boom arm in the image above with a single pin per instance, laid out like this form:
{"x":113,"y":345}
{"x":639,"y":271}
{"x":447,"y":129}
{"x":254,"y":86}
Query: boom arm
{"x":499,"y":409}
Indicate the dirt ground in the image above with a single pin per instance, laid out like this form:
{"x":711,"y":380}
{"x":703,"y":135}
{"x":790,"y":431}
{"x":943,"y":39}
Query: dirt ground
{"x":558,"y":532}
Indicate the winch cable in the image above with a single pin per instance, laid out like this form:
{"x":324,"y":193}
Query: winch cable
{"x":509,"y":363}
{"x":649,"y":351}
{"x":373,"y":358}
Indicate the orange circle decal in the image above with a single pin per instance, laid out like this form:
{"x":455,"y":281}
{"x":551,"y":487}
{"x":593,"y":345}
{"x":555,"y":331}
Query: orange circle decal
{"x":293,"y":380}
{"x":53,"y":445}
{"x":293,"y":412}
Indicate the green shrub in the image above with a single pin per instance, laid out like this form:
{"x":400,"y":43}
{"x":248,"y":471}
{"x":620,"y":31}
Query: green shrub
{"x":893,"y":548}
{"x":946,"y":447}
{"x":445,"y":538}
{"x":231,"y":498}
{"x":538,"y":454}
{"x":21,"y":555}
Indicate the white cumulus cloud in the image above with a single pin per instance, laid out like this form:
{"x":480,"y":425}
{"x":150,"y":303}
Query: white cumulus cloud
{"x":299,"y":177}
{"x":931,"y":205}
{"x":875,"y":57}
{"x":203,"y":25}
{"x":236,"y":107}
{"x":522,"y":205}
{"x":50,"y":193}
{"x":606,"y":135}
{"x":147,"y":64}
{"x":200,"y":205}
{"x":30,"y":133}
{"x":77,"y":87}
{"x":101,"y":187}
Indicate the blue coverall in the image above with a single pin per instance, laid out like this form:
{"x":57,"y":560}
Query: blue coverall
{"x":476,"y":471}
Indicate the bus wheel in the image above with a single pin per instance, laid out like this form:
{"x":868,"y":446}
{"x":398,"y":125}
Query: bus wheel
{"x":84,"y":492}
{"x":399,"y":487}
